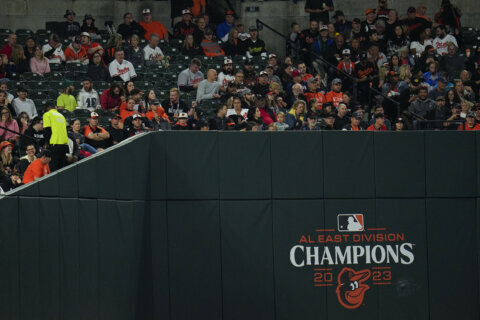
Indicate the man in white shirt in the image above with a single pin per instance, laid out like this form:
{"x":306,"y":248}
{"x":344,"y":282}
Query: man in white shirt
{"x":443,"y":40}
{"x":121,"y":69}
{"x":88,"y":97}
{"x":152,"y":51}
{"x":53,"y":50}
{"x":23,"y":104}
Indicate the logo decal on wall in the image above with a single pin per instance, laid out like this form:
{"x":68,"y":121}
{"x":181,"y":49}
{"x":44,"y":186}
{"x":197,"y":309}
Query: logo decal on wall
{"x":352,"y":258}
{"x":350,"y":222}
{"x":351,"y":288}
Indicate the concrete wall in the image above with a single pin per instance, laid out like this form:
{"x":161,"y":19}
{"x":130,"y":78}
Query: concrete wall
{"x":32,"y":14}
{"x":280,"y":14}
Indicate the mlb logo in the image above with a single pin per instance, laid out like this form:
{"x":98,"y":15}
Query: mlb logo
{"x":350,"y":222}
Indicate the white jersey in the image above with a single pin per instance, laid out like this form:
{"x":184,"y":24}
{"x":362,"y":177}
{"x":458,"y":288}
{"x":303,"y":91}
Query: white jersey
{"x":57,"y":56}
{"x":420,"y":48}
{"x":151,"y":54}
{"x":441,"y":45}
{"x":88,"y":100}
{"x":126,"y":71}
{"x":232,"y":111}
{"x":224,"y":79}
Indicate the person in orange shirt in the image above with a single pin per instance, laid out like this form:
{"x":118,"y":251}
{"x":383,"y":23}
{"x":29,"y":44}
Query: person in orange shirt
{"x":75,"y":52}
{"x":335,"y":96}
{"x":198,"y":7}
{"x":314,"y":93}
{"x":129,"y":109}
{"x":469,"y":124}
{"x":38,"y":168}
{"x":151,"y":26}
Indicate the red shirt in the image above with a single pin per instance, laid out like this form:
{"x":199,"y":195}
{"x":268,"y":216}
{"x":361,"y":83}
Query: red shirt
{"x":372,"y":128}
{"x":6,"y":50}
{"x":154,"y":27}
{"x":36,"y":169}
{"x":465,"y":127}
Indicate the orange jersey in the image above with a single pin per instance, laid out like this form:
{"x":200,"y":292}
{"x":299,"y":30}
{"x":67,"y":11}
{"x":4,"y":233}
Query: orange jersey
{"x":72,"y":55}
{"x":316,"y":95}
{"x":87,"y":130}
{"x":197,"y":7}
{"x":334,"y":97}
{"x":154,"y":27}
{"x":36,"y":169}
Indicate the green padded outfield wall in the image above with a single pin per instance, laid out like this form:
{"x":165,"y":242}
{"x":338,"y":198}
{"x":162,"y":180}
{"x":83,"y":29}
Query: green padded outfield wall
{"x":229,"y":225}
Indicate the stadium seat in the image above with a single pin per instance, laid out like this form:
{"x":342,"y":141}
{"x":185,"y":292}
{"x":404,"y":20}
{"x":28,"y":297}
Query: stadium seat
{"x":81,"y":113}
{"x":27,"y":32}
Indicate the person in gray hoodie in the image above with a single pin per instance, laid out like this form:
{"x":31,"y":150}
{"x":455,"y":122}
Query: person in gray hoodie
{"x":208,"y":88}
{"x":422,"y":106}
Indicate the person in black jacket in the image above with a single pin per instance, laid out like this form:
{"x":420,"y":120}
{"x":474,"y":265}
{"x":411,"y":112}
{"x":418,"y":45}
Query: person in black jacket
{"x":220,"y":121}
{"x":254,"y":46}
{"x":185,"y":26}
{"x":97,"y":71}
{"x":33,"y":135}
{"x":69,"y":28}
{"x":129,"y":27}
{"x":134,"y":53}
{"x":232,"y":46}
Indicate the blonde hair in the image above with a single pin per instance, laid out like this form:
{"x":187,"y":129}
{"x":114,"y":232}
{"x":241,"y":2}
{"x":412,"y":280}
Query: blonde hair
{"x":274,"y":86}
{"x":17,"y":54}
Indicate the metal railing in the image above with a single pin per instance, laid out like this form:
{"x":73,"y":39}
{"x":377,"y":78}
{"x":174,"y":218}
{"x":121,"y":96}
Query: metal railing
{"x":334,"y":68}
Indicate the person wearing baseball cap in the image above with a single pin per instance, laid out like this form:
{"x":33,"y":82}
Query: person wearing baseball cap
{"x":335,"y":95}
{"x":319,"y":10}
{"x":314,"y":93}
{"x":115,"y":129}
{"x":379,"y":124}
{"x":227,"y":75}
{"x":262,"y":86}
{"x":182,"y":122}
{"x":151,"y":26}
{"x":185,"y":26}
{"x":88,"y":25}
{"x":224,"y":28}
{"x":136,"y":126}
{"x":69,"y":28}
{"x":415,"y":24}
{"x":253,"y":45}
{"x":75,"y":52}
{"x":469,"y":124}
{"x":89,"y":46}
{"x":95,"y":135}
{"x":354,"y":124}
{"x":399,"y":124}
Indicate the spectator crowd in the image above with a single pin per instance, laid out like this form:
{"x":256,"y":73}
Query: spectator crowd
{"x":382,"y":71}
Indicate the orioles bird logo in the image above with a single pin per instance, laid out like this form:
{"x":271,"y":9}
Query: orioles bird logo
{"x":351,"y":289}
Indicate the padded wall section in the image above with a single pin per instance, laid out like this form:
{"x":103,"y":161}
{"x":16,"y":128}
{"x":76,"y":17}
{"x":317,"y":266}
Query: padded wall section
{"x":244,"y":161}
{"x":247,"y":260}
{"x":195,"y":259}
{"x":297,"y":165}
{"x":348,"y":162}
{"x":450,"y":162}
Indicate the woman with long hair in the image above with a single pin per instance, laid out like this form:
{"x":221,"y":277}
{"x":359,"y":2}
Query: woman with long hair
{"x":23,"y":121}
{"x":97,"y":71}
{"x":113,"y":44}
{"x":190,"y":48}
{"x":18,"y":62}
{"x":3,"y":66}
{"x":129,"y":86}
{"x":7,"y":160}
{"x":399,"y":41}
{"x":29,"y":49}
{"x":7,"y":121}
{"x":452,"y":98}
{"x":232,"y":45}
{"x":111,"y":98}
{"x":38,"y":63}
